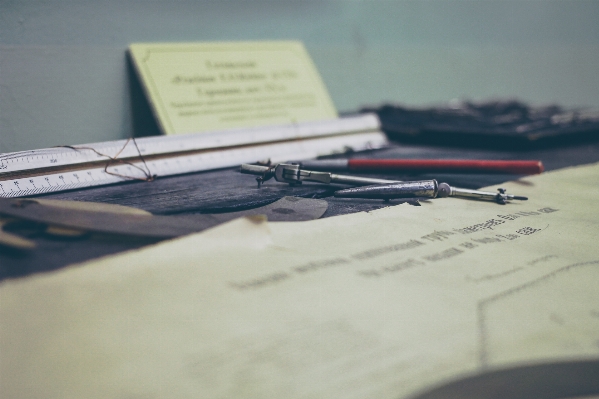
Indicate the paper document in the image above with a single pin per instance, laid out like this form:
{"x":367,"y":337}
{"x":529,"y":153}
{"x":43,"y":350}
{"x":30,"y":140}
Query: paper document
{"x":198,"y":87}
{"x":382,"y":304}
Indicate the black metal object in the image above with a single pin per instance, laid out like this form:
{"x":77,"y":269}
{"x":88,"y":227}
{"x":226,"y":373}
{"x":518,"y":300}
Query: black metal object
{"x":509,"y":125}
{"x":566,"y":379}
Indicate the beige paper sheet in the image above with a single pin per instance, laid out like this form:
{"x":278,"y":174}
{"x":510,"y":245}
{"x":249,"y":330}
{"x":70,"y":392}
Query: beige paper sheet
{"x":381,"y":304}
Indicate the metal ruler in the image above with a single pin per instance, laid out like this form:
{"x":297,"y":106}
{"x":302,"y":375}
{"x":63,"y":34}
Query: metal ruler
{"x":64,"y":168}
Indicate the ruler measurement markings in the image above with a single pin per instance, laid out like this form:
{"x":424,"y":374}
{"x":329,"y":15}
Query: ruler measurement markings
{"x":212,"y":140}
{"x":186,"y":162}
{"x":79,"y":166}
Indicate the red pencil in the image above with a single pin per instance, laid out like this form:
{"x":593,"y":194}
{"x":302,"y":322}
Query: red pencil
{"x":425,"y":165}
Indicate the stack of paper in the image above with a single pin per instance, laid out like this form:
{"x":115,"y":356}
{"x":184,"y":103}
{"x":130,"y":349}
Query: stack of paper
{"x":383,"y":304}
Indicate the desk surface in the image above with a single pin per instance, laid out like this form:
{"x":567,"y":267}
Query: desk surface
{"x":226,"y":190}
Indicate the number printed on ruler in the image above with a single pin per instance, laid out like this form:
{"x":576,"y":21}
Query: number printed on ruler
{"x":56,"y":182}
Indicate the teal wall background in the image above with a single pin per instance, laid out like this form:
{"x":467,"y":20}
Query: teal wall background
{"x":63,"y":75}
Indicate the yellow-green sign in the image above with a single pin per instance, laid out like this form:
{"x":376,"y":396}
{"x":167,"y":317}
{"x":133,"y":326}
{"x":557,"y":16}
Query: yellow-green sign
{"x":195,"y":87}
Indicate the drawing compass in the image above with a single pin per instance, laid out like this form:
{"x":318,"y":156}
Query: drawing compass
{"x":373,"y":188}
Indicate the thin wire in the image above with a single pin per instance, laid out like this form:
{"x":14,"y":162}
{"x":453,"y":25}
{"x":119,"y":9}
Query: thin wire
{"x":114,"y":159}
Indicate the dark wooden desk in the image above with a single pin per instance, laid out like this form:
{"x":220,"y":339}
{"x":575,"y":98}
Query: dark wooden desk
{"x":226,"y":190}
